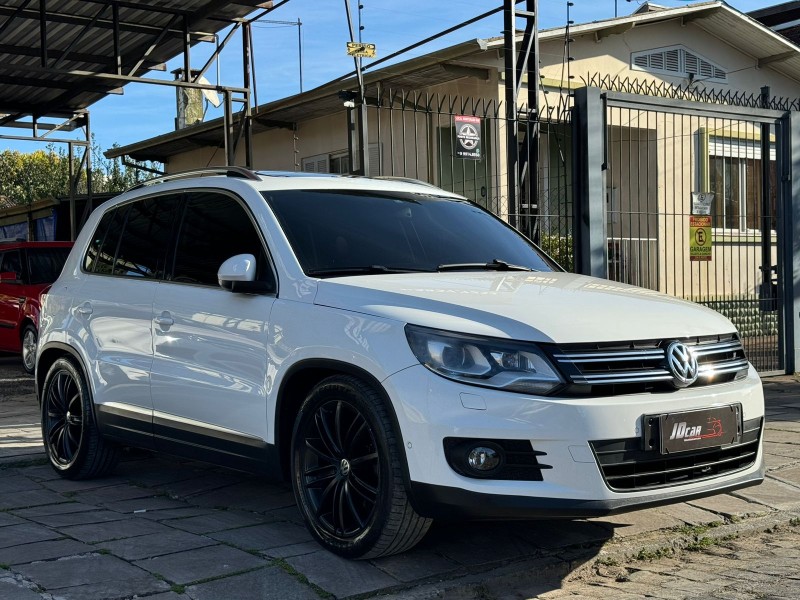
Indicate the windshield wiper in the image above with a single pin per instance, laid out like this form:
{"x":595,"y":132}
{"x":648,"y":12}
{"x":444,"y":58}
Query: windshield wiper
{"x":495,"y":265}
{"x":366,"y":270}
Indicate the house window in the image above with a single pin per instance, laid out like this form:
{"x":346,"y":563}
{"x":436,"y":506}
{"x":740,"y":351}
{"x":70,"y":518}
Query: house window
{"x":736,"y":180}
{"x":339,"y":162}
{"x":677,"y":61}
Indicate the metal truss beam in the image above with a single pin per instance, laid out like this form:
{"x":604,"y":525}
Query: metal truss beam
{"x":97,"y":59}
{"x":49,"y":83}
{"x":57,"y":17}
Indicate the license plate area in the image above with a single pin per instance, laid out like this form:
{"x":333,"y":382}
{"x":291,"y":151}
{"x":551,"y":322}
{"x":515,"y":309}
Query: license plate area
{"x":672,"y":433}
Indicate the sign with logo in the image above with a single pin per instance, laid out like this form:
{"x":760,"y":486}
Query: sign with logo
{"x":360,"y":49}
{"x":700,"y":238}
{"x":468,"y":137}
{"x":693,"y":430}
{"x":701,"y":203}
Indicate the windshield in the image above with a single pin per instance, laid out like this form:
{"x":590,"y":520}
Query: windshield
{"x":337,"y":233}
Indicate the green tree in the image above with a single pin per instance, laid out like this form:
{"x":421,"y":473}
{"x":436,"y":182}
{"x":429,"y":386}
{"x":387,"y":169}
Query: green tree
{"x":26,"y":177}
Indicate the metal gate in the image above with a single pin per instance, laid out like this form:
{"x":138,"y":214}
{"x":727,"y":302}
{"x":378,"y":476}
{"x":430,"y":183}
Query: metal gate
{"x":414,"y":135}
{"x":691,"y":204}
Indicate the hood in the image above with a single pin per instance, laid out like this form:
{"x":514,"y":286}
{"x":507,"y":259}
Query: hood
{"x":539,"y":307}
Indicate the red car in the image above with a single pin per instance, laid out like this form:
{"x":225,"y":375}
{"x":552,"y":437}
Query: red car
{"x":26,"y":270}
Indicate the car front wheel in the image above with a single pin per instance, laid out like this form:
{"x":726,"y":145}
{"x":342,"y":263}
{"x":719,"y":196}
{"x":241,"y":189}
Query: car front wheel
{"x":346,"y":472}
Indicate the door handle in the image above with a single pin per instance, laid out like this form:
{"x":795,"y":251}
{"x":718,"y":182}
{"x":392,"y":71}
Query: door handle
{"x":84,"y":309}
{"x":164,"y":320}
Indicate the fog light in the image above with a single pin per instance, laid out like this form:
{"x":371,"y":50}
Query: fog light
{"x":482,"y":458}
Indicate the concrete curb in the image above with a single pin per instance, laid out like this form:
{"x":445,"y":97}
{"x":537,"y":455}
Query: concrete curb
{"x":573,"y":563}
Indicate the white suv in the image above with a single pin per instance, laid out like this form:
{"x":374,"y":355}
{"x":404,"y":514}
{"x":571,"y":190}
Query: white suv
{"x":394,"y":350}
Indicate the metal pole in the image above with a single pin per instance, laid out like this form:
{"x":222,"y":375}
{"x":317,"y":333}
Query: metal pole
{"x":589,"y":183}
{"x":73,"y":226}
{"x":246,"y":115}
{"x":228,"y":134}
{"x":512,"y":123}
{"x":89,"y":203}
{"x":363,"y":150}
{"x":300,"y":51}
{"x":789,"y":225}
{"x":766,"y":296}
{"x":533,"y":119}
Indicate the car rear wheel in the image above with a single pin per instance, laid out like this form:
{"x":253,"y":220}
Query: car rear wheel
{"x":72,"y":441}
{"x":346,"y":472}
{"x":29,"y":339}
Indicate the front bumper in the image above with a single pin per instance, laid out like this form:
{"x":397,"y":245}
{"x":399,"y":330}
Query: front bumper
{"x":430,"y":408}
{"x":441,"y":502}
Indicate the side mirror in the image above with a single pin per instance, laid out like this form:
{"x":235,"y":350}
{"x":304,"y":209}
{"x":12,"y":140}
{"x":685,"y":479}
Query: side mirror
{"x":8,"y":277}
{"x":238,"y":274}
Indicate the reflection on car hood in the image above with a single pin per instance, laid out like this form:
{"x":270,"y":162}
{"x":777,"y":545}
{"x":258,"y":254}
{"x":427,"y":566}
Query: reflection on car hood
{"x":543,"y":307}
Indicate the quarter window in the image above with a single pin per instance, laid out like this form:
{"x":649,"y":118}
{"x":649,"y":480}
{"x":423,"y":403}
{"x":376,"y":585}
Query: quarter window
{"x":143,"y":249}
{"x":133,"y":240}
{"x":102,"y":250}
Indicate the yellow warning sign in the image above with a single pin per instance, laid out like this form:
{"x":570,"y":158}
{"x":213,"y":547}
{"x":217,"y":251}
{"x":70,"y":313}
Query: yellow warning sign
{"x":700,"y":238}
{"x":362,"y":50}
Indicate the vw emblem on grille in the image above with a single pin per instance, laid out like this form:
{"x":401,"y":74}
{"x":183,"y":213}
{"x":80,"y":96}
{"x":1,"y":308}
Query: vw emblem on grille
{"x":682,"y":364}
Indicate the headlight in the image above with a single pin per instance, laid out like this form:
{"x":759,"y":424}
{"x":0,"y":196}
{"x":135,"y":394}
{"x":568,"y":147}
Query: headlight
{"x":508,"y":365}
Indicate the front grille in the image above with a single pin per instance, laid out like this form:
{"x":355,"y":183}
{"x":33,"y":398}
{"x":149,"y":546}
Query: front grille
{"x":628,"y":468}
{"x":638,"y":366}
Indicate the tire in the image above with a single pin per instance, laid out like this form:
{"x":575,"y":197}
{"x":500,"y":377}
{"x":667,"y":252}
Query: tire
{"x":29,"y":339}
{"x":346,"y":472}
{"x":72,"y":442}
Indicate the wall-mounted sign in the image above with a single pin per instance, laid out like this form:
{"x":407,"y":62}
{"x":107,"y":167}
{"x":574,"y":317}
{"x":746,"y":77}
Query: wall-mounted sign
{"x":468,"y":137}
{"x":360,"y":49}
{"x":701,"y":203}
{"x":700,"y":238}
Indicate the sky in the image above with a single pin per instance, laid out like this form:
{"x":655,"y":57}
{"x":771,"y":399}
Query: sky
{"x":145,"y":111}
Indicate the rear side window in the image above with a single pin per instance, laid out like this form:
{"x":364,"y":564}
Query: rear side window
{"x":145,"y":239}
{"x":214,"y":228}
{"x":45,"y":264}
{"x":133,"y":240}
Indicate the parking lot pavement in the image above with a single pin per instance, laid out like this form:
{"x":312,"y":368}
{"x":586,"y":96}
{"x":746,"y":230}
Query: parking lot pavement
{"x":172,"y":529}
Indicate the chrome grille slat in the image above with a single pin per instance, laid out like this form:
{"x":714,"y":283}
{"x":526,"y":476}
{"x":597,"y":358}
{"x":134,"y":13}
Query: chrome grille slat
{"x":643,"y":362}
{"x":632,"y":376}
{"x":607,"y":356}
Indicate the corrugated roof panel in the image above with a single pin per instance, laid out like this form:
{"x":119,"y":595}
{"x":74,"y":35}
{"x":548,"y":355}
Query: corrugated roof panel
{"x":20,"y":46}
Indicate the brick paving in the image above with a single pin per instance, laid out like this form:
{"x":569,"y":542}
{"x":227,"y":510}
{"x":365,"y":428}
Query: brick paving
{"x":172,"y":529}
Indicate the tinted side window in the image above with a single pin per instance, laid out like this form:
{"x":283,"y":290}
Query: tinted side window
{"x":143,"y":249}
{"x":45,"y":264}
{"x":103,"y":247}
{"x":214,"y":228}
{"x":10,"y":263}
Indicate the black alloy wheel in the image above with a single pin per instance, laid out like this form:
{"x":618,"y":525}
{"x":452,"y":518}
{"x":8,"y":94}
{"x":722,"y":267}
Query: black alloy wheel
{"x":340,"y":474}
{"x":72,"y":441}
{"x":347,"y":472}
{"x":63,"y":419}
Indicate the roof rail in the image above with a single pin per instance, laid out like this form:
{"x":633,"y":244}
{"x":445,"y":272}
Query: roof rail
{"x":239,"y":172}
{"x":405,"y":180}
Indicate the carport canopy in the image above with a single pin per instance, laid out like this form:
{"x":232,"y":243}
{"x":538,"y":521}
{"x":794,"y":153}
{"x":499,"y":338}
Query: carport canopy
{"x":58,"y":58}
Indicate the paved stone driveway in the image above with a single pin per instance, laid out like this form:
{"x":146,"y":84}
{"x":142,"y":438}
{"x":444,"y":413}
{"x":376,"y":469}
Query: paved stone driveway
{"x":172,"y":529}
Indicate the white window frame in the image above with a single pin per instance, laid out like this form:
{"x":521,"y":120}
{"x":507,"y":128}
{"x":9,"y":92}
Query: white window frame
{"x":741,"y":149}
